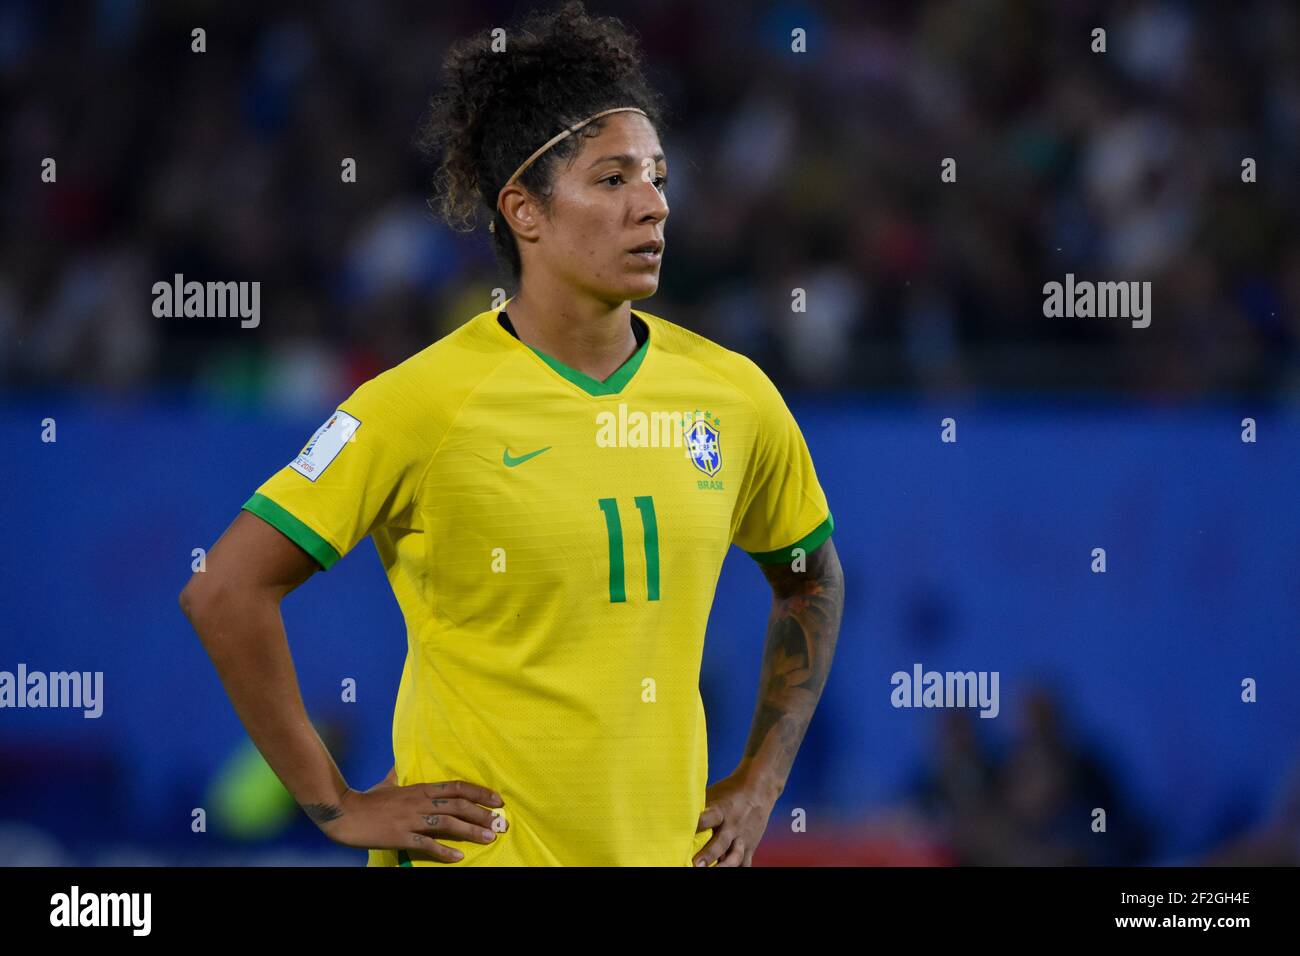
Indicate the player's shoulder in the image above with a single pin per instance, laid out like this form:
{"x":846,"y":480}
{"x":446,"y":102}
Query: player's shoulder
{"x":429,"y":386}
{"x":712,"y":358}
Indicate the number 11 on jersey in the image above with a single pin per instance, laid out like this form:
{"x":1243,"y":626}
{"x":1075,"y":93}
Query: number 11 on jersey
{"x":614,"y":529}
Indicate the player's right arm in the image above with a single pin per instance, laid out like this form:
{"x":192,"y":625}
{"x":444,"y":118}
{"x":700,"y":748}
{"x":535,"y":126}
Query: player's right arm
{"x":234,"y":605}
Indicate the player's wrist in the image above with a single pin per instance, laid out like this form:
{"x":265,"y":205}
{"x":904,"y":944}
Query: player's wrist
{"x":761,"y":780}
{"x":331,"y":798}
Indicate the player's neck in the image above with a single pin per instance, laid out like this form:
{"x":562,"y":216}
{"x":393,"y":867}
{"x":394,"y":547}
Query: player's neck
{"x":581,"y":333}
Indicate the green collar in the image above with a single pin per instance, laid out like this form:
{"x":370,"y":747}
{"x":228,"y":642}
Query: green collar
{"x":592,"y":386}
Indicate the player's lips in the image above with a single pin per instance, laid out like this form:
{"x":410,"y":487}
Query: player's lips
{"x":650,"y":251}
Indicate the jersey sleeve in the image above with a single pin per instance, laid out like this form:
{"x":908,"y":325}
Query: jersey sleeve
{"x":358,"y":472}
{"x":781,"y":505}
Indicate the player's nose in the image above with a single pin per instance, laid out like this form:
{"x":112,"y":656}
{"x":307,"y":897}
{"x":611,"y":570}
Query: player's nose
{"x":652,"y":205}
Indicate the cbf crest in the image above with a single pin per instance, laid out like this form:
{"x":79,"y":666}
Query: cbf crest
{"x":702,"y":442}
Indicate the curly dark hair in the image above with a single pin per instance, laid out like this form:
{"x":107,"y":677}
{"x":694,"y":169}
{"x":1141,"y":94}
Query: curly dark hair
{"x":495,"y":108}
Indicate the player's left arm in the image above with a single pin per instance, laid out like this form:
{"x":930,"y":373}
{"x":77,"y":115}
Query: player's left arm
{"x":807,"y":605}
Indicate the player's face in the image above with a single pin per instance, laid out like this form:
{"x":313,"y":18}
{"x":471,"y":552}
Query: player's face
{"x":606,"y":203}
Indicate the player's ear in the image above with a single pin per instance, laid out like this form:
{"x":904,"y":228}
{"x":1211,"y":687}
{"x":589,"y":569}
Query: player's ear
{"x":520,"y":211}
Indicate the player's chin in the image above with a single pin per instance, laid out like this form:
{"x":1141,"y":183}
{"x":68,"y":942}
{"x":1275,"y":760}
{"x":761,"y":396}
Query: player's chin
{"x":640,"y":281}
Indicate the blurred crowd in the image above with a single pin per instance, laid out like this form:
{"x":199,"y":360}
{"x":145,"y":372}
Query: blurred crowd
{"x":817,"y":171}
{"x":1042,"y":798}
{"x":1045,"y":795}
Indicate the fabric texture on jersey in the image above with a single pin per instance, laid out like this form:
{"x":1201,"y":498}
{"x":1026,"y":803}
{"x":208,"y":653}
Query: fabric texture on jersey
{"x":554,"y":543}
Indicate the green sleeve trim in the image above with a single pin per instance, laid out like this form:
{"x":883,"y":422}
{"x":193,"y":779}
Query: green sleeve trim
{"x":809,"y":542}
{"x":404,"y":858}
{"x":293,"y":529}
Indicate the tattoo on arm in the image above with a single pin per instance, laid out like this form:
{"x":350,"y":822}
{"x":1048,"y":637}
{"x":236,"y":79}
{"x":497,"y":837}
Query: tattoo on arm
{"x":322,"y":812}
{"x":801,"y":632}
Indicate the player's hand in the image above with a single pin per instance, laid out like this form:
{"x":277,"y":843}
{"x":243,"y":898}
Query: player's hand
{"x":416,"y":817}
{"x":738,"y":812}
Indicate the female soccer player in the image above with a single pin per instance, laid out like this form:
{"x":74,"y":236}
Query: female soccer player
{"x":551,"y":489}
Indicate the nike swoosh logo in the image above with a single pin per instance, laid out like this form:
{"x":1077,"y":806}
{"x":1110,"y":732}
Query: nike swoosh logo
{"x":511,"y":461}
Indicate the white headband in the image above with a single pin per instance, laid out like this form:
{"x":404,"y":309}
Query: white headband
{"x":555,"y":139}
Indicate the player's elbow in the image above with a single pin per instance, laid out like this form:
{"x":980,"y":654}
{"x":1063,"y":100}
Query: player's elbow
{"x":189,"y":598}
{"x":200,"y":596}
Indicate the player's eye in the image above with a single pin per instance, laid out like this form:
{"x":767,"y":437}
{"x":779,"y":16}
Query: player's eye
{"x":659,"y":181}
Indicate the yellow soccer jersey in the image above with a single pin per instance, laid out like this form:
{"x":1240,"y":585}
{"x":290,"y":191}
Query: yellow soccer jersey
{"x":554,"y":543}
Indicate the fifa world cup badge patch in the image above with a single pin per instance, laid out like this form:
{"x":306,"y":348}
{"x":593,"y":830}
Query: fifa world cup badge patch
{"x":703,"y":443}
{"x":325,"y":445}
